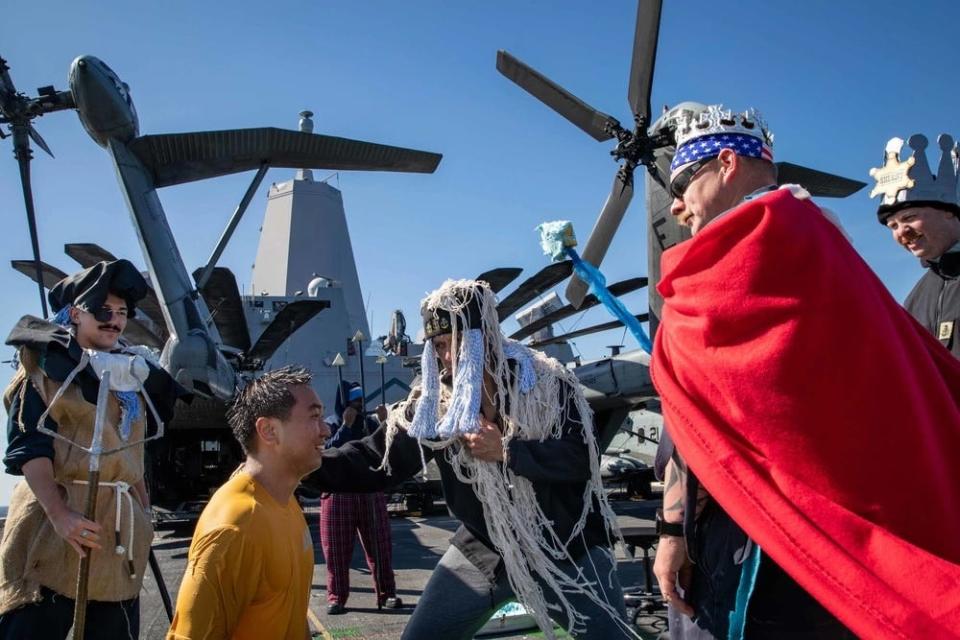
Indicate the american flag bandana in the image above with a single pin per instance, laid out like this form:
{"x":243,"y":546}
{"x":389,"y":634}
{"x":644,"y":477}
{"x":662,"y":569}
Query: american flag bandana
{"x":710,"y":145}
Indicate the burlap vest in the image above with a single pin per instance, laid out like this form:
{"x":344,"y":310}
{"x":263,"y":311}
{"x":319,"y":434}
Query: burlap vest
{"x":31,"y":553}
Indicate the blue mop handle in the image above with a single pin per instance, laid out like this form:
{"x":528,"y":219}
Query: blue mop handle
{"x":598,"y":287}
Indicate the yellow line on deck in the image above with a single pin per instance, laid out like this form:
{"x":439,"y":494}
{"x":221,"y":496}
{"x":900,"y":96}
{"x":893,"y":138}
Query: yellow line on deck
{"x":315,"y":621}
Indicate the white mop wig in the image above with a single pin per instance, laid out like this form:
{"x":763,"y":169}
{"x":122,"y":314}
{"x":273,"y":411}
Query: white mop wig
{"x":535,"y":396}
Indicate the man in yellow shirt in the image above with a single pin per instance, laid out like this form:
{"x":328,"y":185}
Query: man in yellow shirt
{"x":250,"y":564}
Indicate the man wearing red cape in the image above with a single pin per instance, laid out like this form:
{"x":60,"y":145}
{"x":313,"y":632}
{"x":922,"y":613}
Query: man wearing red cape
{"x":809,"y":405}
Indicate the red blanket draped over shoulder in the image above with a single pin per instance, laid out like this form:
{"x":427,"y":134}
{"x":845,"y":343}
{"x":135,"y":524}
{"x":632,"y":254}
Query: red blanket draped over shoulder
{"x":818,"y":413}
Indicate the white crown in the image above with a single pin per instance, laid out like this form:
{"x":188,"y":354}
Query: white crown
{"x":715,"y":119}
{"x":911,"y":180}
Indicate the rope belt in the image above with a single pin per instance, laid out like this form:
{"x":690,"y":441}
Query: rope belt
{"x":122,"y":489}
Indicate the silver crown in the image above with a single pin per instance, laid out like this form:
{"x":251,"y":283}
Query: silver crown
{"x":911,"y":180}
{"x":716,"y":119}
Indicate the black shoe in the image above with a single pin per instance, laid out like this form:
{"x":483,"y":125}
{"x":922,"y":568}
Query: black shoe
{"x":336,"y":609}
{"x":393,"y":603}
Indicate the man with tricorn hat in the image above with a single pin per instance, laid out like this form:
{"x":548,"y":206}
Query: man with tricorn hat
{"x":777,"y":352}
{"x":57,"y":384}
{"x":922,"y":211}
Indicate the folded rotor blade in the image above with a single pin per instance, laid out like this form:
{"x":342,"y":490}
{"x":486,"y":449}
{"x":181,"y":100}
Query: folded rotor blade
{"x":88,"y":254}
{"x":618,"y":289}
{"x":597,"y":328}
{"x":603,"y":232}
{"x":644,"y":57}
{"x":222,"y":296}
{"x":138,"y":332}
{"x":176,"y":158}
{"x":38,"y":140}
{"x":543,"y":280}
{"x":595,"y":123}
{"x":8,"y":91}
{"x":21,"y":150}
{"x":818,"y":183}
{"x":500,"y":278}
{"x":284,"y":324}
{"x":51,"y":275}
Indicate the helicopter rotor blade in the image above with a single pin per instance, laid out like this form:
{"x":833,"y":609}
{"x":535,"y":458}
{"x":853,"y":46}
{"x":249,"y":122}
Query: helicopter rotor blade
{"x":226,"y":305}
{"x":499,"y":278}
{"x":541,"y":281}
{"x":596,"y":124}
{"x":38,"y":140}
{"x":603,"y":231}
{"x":644,"y":57}
{"x":617,"y":289}
{"x":88,"y":254}
{"x":176,"y":158}
{"x":597,"y":328}
{"x":50,"y":274}
{"x":819,"y":183}
{"x":21,"y":149}
{"x":284,"y":324}
{"x":7,"y":90}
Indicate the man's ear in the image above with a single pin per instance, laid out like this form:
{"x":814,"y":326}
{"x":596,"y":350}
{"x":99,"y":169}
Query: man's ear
{"x":729,"y":162}
{"x":266,"y":429}
{"x":74,"y":315}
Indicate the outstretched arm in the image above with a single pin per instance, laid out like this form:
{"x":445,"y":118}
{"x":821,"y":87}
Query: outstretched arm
{"x":352,"y":468}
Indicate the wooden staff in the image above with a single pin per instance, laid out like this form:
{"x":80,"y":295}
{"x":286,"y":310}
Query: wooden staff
{"x":90,"y":508}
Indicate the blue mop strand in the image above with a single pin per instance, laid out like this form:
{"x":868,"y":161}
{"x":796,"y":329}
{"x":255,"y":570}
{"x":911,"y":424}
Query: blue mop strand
{"x":558,"y":241}
{"x":527,"y":375}
{"x":424,"y":423}
{"x":748,"y":578}
{"x":129,"y":410}
{"x":62,"y":317}
{"x":598,"y":287}
{"x":463,"y":414}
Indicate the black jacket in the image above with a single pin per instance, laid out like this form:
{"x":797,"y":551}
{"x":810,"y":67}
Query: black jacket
{"x":935,"y":300}
{"x":558,"y":468}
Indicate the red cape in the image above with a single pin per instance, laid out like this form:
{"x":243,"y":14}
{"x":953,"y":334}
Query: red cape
{"x":818,"y":413}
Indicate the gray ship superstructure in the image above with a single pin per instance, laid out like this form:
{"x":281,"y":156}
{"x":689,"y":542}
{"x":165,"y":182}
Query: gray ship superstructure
{"x":305,"y":252}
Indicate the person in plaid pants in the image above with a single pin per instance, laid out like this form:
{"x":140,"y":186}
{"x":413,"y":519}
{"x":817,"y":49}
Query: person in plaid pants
{"x":343,"y":515}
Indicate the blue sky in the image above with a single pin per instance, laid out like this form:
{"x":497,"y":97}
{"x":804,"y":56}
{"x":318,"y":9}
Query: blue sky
{"x":834,"y":79}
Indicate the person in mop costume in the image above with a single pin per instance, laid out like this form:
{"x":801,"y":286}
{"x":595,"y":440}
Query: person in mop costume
{"x":51,"y":403}
{"x":513,"y":439}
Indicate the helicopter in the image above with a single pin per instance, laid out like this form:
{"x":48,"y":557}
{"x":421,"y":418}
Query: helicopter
{"x":625,"y":404}
{"x":197,"y":320}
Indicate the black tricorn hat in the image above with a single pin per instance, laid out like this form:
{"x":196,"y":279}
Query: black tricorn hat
{"x":437,"y":321}
{"x":88,"y":289}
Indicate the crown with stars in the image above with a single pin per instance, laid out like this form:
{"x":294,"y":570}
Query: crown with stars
{"x":902,"y":183}
{"x":703,"y":135}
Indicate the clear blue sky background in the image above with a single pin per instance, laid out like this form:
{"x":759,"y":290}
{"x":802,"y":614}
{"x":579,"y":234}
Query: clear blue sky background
{"x":834,"y":79}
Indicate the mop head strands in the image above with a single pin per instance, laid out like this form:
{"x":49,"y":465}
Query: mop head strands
{"x":535,"y":396}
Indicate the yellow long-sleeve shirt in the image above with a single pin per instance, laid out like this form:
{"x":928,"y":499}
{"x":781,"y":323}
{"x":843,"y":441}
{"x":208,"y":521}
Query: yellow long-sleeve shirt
{"x":249,"y":569}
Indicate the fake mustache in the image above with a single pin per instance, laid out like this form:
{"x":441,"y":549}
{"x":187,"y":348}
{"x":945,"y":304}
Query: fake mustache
{"x":109,"y":327}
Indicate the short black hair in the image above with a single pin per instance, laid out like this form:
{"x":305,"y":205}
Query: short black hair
{"x":268,"y":396}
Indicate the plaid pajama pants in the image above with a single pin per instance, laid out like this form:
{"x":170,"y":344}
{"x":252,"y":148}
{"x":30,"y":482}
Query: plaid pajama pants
{"x":342,"y":516}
